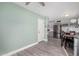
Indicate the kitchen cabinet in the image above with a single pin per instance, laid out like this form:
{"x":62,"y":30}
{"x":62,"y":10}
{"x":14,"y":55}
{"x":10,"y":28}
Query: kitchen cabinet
{"x":76,"y":46}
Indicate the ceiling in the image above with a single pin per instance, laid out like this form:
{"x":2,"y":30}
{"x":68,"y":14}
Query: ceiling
{"x":54,"y":9}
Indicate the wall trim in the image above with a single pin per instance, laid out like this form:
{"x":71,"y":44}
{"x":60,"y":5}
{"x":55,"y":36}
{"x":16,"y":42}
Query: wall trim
{"x":45,"y":40}
{"x":18,"y":50}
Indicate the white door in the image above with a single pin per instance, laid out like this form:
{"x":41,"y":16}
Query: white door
{"x":40,"y":30}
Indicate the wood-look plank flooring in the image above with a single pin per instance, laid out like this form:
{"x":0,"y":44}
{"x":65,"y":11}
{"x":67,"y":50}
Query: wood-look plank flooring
{"x":50,"y":48}
{"x":70,"y":52}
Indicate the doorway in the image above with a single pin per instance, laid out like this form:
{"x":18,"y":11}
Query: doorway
{"x":40,"y":30}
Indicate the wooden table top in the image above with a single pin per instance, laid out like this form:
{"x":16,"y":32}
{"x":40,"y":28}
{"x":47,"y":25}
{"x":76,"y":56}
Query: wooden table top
{"x":68,"y":35}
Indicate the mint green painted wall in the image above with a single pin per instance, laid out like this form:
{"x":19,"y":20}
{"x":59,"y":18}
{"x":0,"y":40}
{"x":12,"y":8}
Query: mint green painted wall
{"x":18,"y":27}
{"x":46,"y":25}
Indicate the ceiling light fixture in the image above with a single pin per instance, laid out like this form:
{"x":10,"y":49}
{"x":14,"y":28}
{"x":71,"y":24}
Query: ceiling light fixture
{"x":66,"y":15}
{"x":41,"y":3}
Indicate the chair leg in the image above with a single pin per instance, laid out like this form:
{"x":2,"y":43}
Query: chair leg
{"x":61,"y":42}
{"x":65,"y":44}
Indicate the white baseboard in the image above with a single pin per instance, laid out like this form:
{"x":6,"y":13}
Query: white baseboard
{"x":18,"y":50}
{"x":45,"y":40}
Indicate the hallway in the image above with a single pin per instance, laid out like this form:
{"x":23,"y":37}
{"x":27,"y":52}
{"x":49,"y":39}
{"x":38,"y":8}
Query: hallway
{"x":50,"y":48}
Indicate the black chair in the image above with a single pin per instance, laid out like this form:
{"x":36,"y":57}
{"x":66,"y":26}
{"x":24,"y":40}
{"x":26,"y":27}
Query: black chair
{"x":69,"y":42}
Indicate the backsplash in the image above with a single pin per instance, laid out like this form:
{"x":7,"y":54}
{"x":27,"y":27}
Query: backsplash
{"x":70,"y":29}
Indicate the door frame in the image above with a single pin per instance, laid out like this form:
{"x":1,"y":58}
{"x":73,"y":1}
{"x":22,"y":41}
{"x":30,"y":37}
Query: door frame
{"x":38,"y":30}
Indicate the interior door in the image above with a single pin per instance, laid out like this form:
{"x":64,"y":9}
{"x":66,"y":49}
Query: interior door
{"x":55,"y":31}
{"x":40,"y":30}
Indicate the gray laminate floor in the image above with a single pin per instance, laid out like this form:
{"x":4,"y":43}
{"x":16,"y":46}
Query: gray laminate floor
{"x":50,"y":48}
{"x":70,"y":52}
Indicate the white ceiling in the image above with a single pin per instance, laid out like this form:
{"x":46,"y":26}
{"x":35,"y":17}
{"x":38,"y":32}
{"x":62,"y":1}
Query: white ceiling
{"x":53,"y":9}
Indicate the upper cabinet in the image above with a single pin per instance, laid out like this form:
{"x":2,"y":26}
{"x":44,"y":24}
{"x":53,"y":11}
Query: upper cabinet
{"x":73,"y":21}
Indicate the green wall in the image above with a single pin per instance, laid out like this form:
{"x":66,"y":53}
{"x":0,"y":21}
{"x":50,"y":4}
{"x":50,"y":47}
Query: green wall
{"x":18,"y":27}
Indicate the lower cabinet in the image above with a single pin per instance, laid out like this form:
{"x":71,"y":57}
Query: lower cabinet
{"x":76,"y":46}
